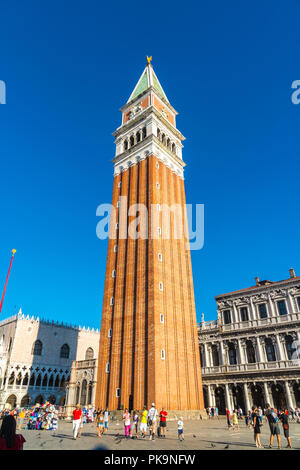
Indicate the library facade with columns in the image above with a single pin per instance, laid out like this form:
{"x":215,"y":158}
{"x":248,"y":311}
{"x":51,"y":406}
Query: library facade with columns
{"x":250,"y":354}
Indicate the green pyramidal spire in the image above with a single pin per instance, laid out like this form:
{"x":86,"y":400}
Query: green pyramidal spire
{"x":147,"y":79}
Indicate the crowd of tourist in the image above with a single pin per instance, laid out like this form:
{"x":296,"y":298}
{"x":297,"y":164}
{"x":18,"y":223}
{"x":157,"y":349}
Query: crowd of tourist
{"x":39,"y":417}
{"x":139,"y":424}
{"x":136,"y":424}
{"x":255,"y":418}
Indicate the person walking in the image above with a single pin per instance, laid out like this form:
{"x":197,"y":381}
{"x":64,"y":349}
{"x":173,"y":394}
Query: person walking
{"x":9,"y":440}
{"x":127,"y":424}
{"x":248,"y":419}
{"x":152,"y":421}
{"x":272,"y":418}
{"x":228,"y":418}
{"x":235,"y":421}
{"x":100,"y":423}
{"x":144,"y":420}
{"x":21,"y":419}
{"x":135,"y":419}
{"x":106,"y":420}
{"x":256,"y":427}
{"x":163,"y":422}
{"x":286,"y":428}
{"x":77,"y":416}
{"x":180,"y":428}
{"x":54,"y":421}
{"x":216,"y":412}
{"x":260,"y":413}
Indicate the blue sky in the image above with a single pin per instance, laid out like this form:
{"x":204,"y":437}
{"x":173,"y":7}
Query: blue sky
{"x":227,"y":67}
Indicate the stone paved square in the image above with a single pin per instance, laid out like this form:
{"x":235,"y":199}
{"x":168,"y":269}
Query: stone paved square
{"x":199,"y":435}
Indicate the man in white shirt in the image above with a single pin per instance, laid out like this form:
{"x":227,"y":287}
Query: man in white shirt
{"x":152,"y":421}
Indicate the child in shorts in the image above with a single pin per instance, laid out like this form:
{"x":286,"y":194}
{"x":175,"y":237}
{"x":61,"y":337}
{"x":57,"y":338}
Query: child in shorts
{"x":180,"y":427}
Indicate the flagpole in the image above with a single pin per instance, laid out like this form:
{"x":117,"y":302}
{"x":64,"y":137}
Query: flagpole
{"x":11,"y":261}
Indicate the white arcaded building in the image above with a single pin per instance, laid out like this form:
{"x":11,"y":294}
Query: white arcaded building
{"x":36,"y":358}
{"x":250,"y":354}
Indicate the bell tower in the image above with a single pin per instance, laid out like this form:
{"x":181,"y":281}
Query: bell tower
{"x":149,"y":348}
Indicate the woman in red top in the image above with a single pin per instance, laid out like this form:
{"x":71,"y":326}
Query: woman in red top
{"x":9,"y":440}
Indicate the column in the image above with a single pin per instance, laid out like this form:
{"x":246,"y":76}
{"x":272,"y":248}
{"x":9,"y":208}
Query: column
{"x":290,"y":302}
{"x":252,"y":310}
{"x":272,"y":307}
{"x":93,"y":393}
{"x":222,"y":354}
{"x":283,"y":346}
{"x":206,"y":356}
{"x":226,"y":361}
{"x":235,"y":313}
{"x":241,"y":352}
{"x":228,"y":399}
{"x":209,"y":395}
{"x":247,"y":401}
{"x":213,"y":397}
{"x":289,"y":399}
{"x":267,"y":395}
{"x":280,"y":351}
{"x":210,"y":355}
{"x":261,"y":354}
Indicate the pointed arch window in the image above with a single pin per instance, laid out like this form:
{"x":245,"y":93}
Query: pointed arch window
{"x":51,"y":380}
{"x":89,"y":354}
{"x":19,"y":379}
{"x":25,"y":380}
{"x":38,"y":381}
{"x":32,"y":380}
{"x":11,"y":379}
{"x":65,"y":351}
{"x":37,"y":348}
